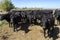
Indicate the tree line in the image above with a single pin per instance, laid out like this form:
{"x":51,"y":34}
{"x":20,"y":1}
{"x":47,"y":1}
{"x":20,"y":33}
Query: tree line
{"x":6,"y":5}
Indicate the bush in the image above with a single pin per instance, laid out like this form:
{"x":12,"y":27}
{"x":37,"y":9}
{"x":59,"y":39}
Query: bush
{"x":7,"y":5}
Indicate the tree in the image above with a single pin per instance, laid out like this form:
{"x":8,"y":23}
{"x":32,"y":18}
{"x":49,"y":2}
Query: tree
{"x":7,"y":5}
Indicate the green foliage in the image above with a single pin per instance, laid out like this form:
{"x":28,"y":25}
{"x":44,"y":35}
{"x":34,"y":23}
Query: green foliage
{"x":3,"y":23}
{"x":7,"y":5}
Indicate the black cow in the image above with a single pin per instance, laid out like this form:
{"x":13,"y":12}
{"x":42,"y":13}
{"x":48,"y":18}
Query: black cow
{"x":48,"y":25}
{"x":57,"y":16}
{"x":7,"y":18}
{"x":39,"y":17}
{"x":31,"y":16}
{"x":24,"y":16}
{"x":48,"y":22}
{"x":16,"y":18}
{"x":58,"y":19}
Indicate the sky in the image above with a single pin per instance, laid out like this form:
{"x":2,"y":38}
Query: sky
{"x":37,"y":3}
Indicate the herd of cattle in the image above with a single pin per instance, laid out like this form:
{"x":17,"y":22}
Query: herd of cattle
{"x":45,"y":18}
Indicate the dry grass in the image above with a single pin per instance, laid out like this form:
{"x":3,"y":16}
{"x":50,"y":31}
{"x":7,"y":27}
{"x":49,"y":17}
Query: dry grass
{"x":36,"y":33}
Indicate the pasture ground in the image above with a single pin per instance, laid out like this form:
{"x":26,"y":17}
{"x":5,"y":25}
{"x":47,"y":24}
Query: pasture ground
{"x":36,"y":33}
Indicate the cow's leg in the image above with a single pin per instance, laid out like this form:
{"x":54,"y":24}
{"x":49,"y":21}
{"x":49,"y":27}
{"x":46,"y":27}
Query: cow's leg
{"x":17,"y":26}
{"x":29,"y":20}
{"x":44,"y":32}
{"x":53,"y":27}
{"x":34,"y":21}
{"x":59,"y":21}
{"x":9,"y":24}
{"x":48,"y":31}
{"x":14,"y":27}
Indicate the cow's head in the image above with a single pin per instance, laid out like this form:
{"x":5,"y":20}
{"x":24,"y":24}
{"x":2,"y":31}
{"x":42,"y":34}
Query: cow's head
{"x":1,"y":16}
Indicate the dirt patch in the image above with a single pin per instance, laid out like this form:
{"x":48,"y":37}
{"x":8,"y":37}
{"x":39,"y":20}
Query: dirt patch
{"x":35,"y":33}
